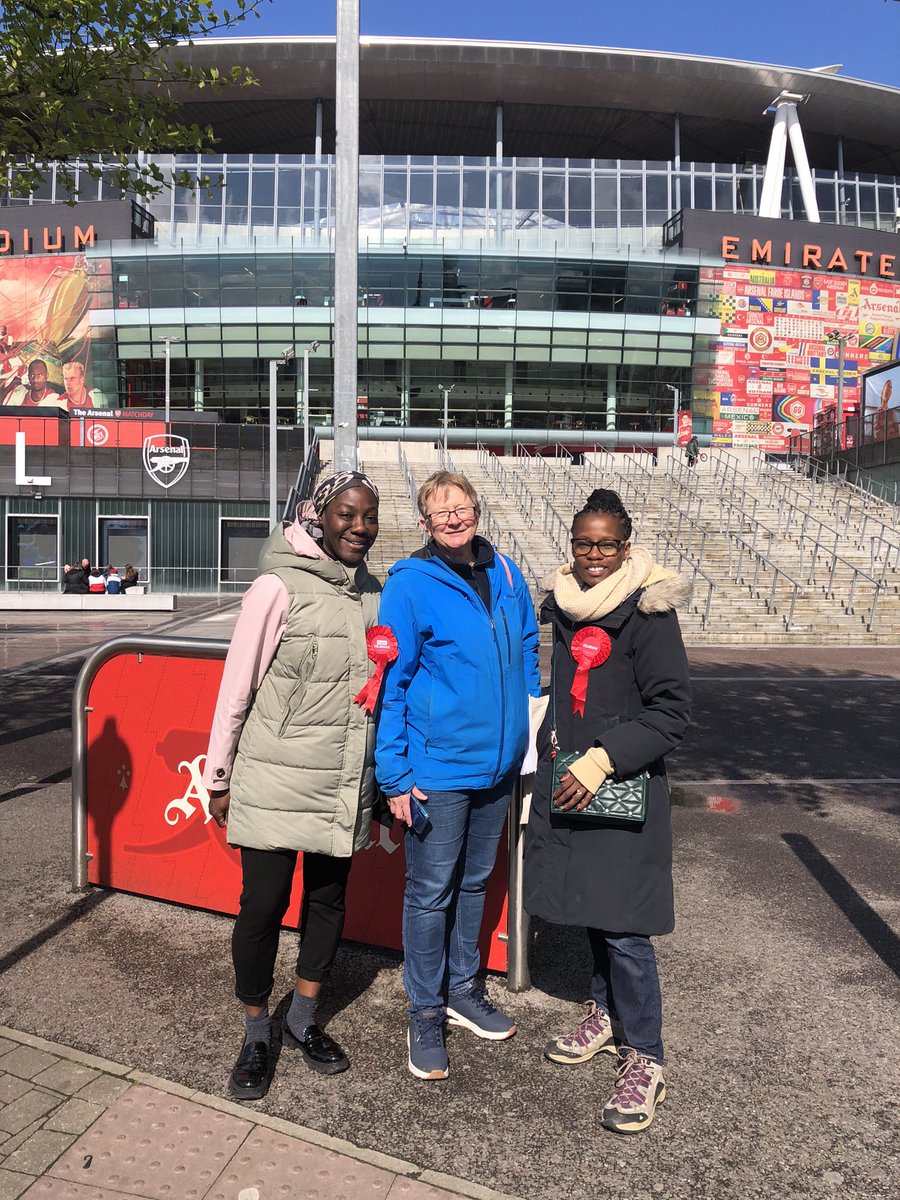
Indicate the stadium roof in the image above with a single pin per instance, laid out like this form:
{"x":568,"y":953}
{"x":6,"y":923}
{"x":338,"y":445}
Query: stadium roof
{"x":428,"y":96}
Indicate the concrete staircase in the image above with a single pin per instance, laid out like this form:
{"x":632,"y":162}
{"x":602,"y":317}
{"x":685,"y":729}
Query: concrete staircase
{"x":709,"y":521}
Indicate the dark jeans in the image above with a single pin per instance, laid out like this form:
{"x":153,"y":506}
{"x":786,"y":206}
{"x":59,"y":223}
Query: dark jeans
{"x":625,"y":984}
{"x":266,"y":893}
{"x":447,"y":869}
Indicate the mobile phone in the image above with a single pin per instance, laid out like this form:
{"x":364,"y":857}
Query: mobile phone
{"x":418,"y":814}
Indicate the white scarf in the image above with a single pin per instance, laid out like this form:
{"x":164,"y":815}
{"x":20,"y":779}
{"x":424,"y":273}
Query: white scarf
{"x":589,"y":604}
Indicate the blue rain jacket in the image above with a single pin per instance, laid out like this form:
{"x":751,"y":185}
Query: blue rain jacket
{"x":454,"y":708}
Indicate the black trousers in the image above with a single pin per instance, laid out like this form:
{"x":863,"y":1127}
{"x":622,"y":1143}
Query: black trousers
{"x":266,"y":893}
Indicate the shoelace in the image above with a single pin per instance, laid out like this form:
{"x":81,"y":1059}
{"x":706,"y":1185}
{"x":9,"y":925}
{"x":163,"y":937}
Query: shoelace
{"x":592,"y":1026}
{"x":480,"y":999}
{"x":633,"y":1080}
{"x":429,"y":1031}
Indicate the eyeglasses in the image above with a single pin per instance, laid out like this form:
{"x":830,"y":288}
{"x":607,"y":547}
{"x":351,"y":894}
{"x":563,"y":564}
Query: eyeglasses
{"x":607,"y":549}
{"x":465,"y":512}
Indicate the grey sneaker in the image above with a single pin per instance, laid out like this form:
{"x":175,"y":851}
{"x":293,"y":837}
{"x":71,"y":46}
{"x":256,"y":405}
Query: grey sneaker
{"x":639,"y":1088}
{"x":474,"y":1011}
{"x":425,"y":1039}
{"x":593,"y":1036}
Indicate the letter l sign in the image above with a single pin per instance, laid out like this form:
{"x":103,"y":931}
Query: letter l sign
{"x":23,"y":480}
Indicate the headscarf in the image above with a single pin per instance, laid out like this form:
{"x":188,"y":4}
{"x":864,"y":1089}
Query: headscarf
{"x":309,"y":512}
{"x":335,"y":484}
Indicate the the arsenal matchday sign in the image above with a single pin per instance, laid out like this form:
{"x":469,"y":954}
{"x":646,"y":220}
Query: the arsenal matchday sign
{"x":149,"y":829}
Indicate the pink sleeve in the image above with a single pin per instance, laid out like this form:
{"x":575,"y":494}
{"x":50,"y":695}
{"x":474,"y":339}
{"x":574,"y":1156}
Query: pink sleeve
{"x":255,"y":639}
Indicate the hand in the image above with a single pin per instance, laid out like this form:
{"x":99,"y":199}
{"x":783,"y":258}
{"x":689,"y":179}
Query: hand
{"x":218,"y":808}
{"x":399,"y":805}
{"x":571,"y":795}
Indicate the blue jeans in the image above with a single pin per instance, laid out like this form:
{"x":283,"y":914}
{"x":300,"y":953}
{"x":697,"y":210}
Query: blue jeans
{"x":625,"y":984}
{"x":447,"y":869}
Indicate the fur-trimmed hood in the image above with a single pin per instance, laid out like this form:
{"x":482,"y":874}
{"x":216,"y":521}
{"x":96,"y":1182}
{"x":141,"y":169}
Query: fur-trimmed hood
{"x":665,"y":592}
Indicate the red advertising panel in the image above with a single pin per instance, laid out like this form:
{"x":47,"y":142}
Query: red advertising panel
{"x":685,"y":427}
{"x":39,"y":431}
{"x":149,"y":830}
{"x":107,"y":429}
{"x":775,"y":363}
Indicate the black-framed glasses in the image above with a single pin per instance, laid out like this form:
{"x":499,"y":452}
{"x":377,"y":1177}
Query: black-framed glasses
{"x":465,"y":512}
{"x":608,"y":548}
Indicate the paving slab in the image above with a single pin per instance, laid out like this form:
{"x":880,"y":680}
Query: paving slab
{"x":75,"y":1116}
{"x":26,"y":1062}
{"x":154,"y":1145}
{"x":41,"y":1150}
{"x":13,"y":1184}
{"x":27,"y":1109}
{"x":65,"y":1076}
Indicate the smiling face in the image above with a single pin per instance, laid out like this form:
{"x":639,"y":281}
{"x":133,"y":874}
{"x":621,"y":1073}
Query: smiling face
{"x":594,"y":565}
{"x":452,"y":520}
{"x":350,"y":525}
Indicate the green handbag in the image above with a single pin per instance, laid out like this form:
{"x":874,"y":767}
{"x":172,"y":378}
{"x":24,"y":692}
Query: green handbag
{"x":617,"y":800}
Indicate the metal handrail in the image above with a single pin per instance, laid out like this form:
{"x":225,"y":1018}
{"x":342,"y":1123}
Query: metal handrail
{"x":857,"y":574}
{"x":681,"y":517}
{"x":695,"y":569}
{"x":761,"y":560}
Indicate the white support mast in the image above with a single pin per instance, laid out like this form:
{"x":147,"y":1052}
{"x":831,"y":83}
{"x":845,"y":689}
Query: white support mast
{"x":787,"y":126}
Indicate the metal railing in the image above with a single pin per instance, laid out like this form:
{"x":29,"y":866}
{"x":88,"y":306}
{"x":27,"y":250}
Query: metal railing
{"x":684,"y":562}
{"x":740,"y":548}
{"x":829,"y":588}
{"x":676,"y":518}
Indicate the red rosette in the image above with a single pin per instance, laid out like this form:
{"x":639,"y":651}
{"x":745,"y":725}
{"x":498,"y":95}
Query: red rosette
{"x":591,"y":646}
{"x":382,"y":649}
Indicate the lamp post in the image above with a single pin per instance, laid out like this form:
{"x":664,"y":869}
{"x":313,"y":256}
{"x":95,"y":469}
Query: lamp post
{"x":274,"y":363}
{"x":445,"y":392}
{"x":677,"y":398}
{"x":836,"y":338}
{"x":310,"y":349}
{"x":167,"y":342}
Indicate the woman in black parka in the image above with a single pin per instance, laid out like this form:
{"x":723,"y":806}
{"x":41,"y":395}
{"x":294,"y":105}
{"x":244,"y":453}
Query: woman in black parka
{"x":613,"y":878}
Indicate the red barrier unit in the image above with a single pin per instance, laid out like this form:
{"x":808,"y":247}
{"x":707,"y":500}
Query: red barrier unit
{"x":148,"y":831}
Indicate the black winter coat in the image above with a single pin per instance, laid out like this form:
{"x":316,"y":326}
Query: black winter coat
{"x":75,"y":582}
{"x":614,"y":878}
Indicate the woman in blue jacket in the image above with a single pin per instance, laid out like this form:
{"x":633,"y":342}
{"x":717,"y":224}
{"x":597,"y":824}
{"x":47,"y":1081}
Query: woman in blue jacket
{"x":452,"y":734}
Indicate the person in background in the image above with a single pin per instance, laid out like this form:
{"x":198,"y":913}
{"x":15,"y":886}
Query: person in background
{"x":113,"y":581}
{"x":613,"y":878}
{"x":692,"y":450}
{"x":131,"y":577}
{"x":96,"y":582}
{"x":75,"y":579}
{"x":452,"y":733}
{"x":289,"y":765}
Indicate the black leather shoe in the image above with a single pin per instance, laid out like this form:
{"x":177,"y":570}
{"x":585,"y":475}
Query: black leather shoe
{"x":321,"y":1052}
{"x":252,"y":1073}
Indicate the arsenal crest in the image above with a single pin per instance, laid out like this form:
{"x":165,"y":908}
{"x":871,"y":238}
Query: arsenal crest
{"x":166,"y":458}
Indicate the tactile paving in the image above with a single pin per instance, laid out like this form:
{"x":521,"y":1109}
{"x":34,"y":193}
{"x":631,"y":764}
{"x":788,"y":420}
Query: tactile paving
{"x":279,"y":1167}
{"x":154,"y":1145}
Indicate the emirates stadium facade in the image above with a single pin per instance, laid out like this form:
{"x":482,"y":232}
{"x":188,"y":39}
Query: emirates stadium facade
{"x":568,"y":237}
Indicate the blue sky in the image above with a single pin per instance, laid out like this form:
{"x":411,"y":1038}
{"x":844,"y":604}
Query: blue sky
{"x":863,"y":35}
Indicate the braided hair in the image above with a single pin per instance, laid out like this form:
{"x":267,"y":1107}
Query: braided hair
{"x":604,"y":500}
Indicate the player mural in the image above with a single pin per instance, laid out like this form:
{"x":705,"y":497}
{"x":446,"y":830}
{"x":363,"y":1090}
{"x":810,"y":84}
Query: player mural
{"x":45,"y":344}
{"x":772,"y":370}
{"x":882,"y":400}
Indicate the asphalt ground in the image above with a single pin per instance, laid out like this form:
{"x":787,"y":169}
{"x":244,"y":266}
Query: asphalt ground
{"x":781,"y":983}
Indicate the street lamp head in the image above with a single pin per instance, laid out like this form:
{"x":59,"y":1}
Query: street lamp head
{"x":313,"y":347}
{"x":287,"y":354}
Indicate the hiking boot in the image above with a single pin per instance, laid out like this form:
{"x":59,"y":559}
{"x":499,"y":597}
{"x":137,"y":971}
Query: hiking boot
{"x":475,"y":1012}
{"x":425,"y":1039}
{"x":593,"y":1036}
{"x":639,"y":1088}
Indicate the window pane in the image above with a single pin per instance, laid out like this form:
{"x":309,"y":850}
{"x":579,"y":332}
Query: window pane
{"x":31,"y":552}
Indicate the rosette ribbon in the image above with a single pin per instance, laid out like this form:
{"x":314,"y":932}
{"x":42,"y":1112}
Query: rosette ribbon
{"x":591,"y":646}
{"x":383,"y":649}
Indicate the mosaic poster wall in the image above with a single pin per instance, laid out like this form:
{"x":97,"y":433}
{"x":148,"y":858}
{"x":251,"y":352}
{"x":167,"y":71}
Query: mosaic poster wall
{"x":772,"y":371}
